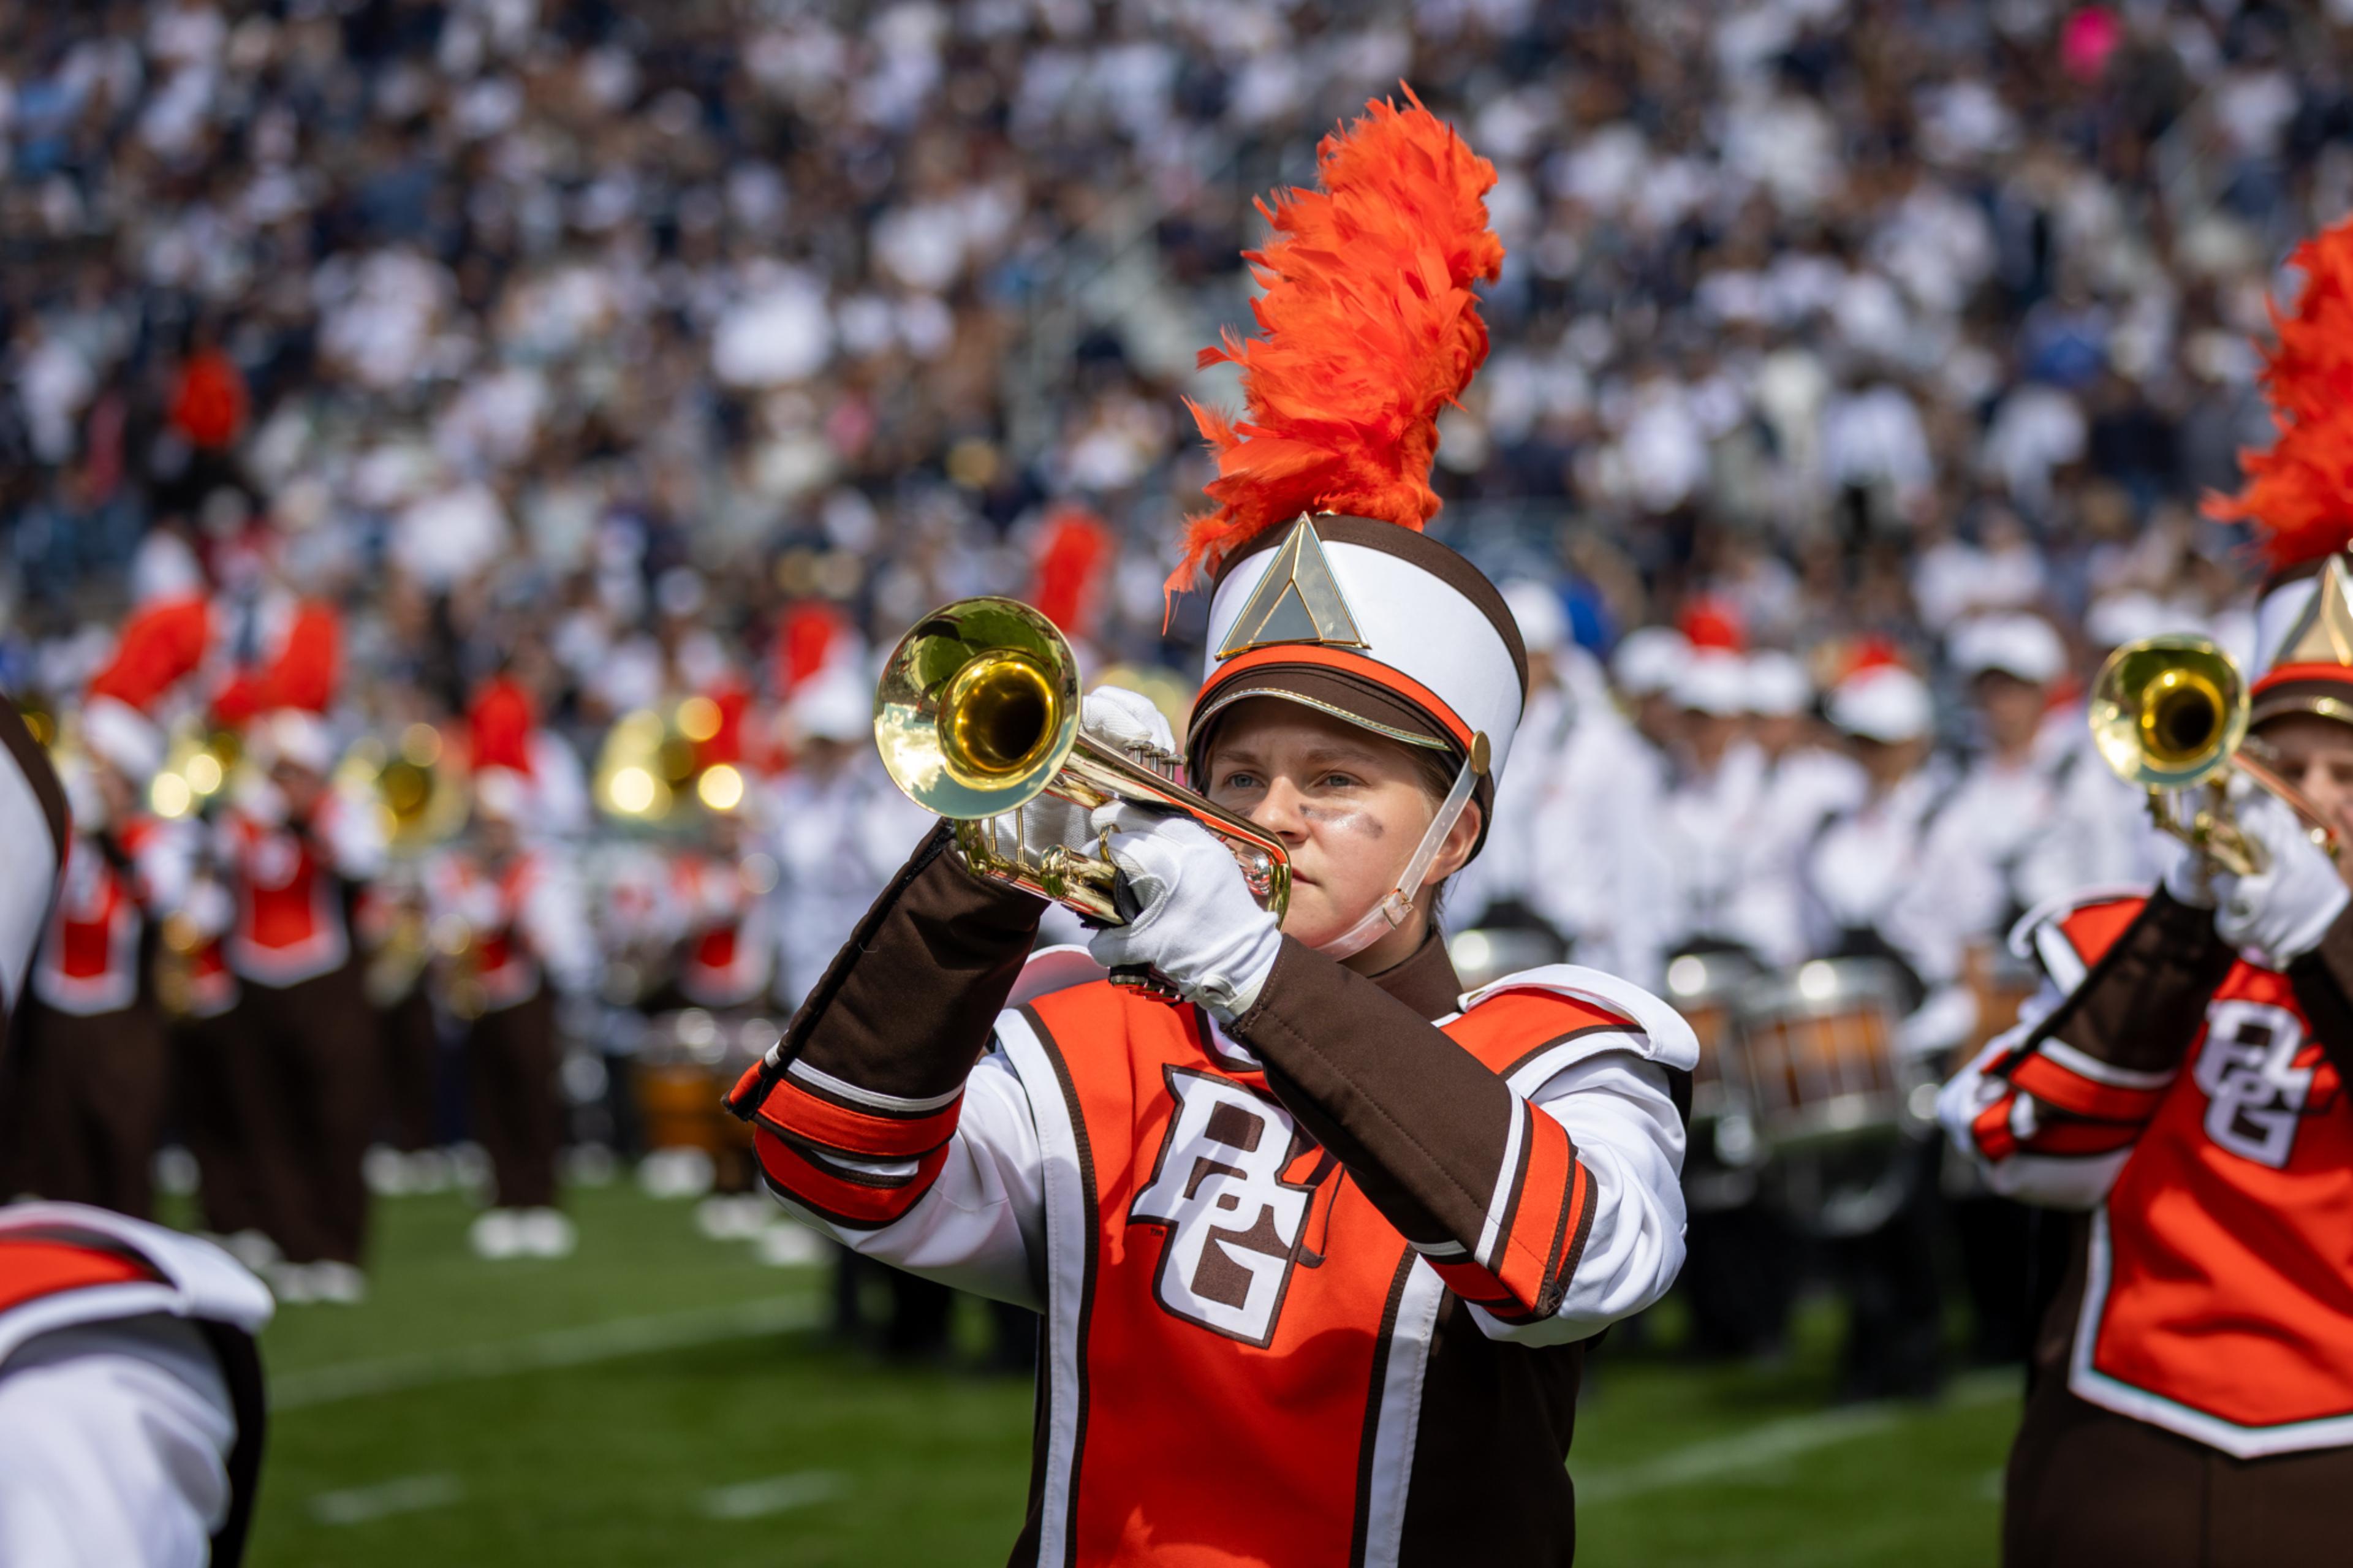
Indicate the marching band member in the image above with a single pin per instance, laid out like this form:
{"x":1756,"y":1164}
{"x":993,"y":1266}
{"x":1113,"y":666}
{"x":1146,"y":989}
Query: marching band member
{"x":1353,"y":1224}
{"x":294,"y":847}
{"x":835,"y":825}
{"x":2180,"y":1085}
{"x":512,"y":913}
{"x":130,"y":1401}
{"x":98,"y":1065}
{"x":1712,"y":815}
{"x":1871,"y":892}
{"x":728,"y":946}
{"x":2006,"y":836}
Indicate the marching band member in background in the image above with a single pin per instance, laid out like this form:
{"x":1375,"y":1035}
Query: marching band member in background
{"x":130,"y":1401}
{"x":508,"y":920}
{"x":1352,"y":1223}
{"x":2004,"y":835}
{"x":1871,"y":892}
{"x":727,"y":941}
{"x":1712,"y":815}
{"x":97,"y":1065}
{"x":1644,"y":667}
{"x":834,"y":814}
{"x":2180,"y":1085}
{"x":295,"y":846}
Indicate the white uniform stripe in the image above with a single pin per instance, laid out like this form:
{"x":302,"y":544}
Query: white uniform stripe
{"x":2082,"y":1066}
{"x":1399,"y":1422}
{"x":1070,"y":1220}
{"x":1491,"y":1234}
{"x":842,"y":1089}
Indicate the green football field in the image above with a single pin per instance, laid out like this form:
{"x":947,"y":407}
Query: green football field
{"x":663,"y":1399}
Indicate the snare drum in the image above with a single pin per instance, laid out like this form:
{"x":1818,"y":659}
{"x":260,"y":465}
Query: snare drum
{"x":1816,"y":1053}
{"x":1706,"y":989}
{"x":690,"y":1059}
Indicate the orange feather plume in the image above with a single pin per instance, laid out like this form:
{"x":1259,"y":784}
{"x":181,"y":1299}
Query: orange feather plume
{"x":1367,"y":327}
{"x":2298,"y":496}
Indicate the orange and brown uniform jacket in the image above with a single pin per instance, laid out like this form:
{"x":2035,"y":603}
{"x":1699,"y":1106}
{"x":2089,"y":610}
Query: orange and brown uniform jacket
{"x":2191,"y":1104}
{"x":1315,"y":1284}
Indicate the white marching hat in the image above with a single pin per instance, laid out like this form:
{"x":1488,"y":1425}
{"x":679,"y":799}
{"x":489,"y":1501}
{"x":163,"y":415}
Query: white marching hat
{"x":1886,"y":703}
{"x":2020,"y":645}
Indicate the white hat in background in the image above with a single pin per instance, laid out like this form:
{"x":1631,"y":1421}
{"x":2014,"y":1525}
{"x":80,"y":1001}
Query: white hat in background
{"x":1649,"y":660}
{"x":1714,"y":681}
{"x":1886,"y":703}
{"x":1543,"y":625}
{"x":501,"y":794}
{"x":2015,"y":645}
{"x":1779,"y":685}
{"x":836,"y":705}
{"x":121,"y":736}
{"x":295,"y":736}
{"x":2116,"y":619}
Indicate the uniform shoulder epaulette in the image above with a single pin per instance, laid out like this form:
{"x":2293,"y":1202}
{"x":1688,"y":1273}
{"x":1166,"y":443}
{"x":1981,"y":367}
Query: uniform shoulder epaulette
{"x":2067,"y":935}
{"x":1536,"y":1010}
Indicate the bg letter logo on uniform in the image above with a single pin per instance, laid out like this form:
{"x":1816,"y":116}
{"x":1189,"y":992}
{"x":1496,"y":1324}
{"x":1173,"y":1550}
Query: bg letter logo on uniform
{"x":1232,"y":1220}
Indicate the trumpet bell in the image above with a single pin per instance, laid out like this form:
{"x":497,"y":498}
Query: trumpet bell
{"x":2168,"y":712}
{"x":977,"y":709}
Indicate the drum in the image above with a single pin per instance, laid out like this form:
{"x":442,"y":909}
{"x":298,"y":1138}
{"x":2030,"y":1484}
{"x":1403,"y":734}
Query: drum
{"x":688,"y":1062}
{"x":1706,"y":989}
{"x":1816,"y":1052}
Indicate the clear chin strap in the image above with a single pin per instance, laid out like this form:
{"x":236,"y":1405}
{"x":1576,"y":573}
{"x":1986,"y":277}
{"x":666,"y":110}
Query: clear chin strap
{"x":1398,"y":903}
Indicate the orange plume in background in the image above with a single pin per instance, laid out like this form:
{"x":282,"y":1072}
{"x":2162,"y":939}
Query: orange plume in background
{"x":1367,"y":328}
{"x":1074,"y":557}
{"x":2298,"y":496}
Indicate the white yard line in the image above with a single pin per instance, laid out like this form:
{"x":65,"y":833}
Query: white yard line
{"x":560,"y":1348}
{"x":1778,"y":1440}
{"x":758,"y":1499}
{"x":410,"y":1494}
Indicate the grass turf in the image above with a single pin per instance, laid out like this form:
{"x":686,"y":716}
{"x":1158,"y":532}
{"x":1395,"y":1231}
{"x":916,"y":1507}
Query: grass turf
{"x":718,"y":1446}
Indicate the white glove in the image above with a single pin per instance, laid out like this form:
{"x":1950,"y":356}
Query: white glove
{"x":1119,"y":718}
{"x":2191,"y":877}
{"x":2282,"y":913}
{"x":1200,"y":927}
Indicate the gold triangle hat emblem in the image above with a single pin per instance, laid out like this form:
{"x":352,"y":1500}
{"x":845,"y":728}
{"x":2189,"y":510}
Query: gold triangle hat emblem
{"x":2323,"y":634}
{"x":1298,"y":601}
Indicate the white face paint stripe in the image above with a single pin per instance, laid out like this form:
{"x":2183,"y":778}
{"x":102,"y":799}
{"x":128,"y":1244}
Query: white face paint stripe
{"x":1069,"y":1221}
{"x":1491,"y":1234}
{"x":1398,"y":1425}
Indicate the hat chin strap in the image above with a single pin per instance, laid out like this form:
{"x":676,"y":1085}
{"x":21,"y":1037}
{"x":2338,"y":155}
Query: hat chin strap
{"x":1398,"y":904}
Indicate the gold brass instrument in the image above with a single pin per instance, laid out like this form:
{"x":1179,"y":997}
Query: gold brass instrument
{"x":976,"y":715}
{"x":419,"y":791}
{"x":2170,"y":714}
{"x":650,"y":765}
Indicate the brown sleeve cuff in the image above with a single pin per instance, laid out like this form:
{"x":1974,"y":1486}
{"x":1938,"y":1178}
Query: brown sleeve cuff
{"x":1420,"y":1122}
{"x":906,"y":1007}
{"x":2323,"y":979}
{"x":2144,"y":1001}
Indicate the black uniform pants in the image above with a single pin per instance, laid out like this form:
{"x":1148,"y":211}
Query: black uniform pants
{"x":95,"y":1092}
{"x":2088,"y":1488}
{"x":510,"y":1062}
{"x":412,"y":1056}
{"x":314,"y":1101}
{"x":217,"y":1074}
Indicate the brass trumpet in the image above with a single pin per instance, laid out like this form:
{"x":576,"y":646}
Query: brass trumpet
{"x":976,"y":715}
{"x":2170,"y":714}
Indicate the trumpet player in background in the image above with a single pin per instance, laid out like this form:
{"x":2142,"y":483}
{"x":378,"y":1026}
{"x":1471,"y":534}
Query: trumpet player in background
{"x":511,"y":934}
{"x":95,"y":1079}
{"x":1317,"y":1238}
{"x":295,"y":848}
{"x":2180,"y":1085}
